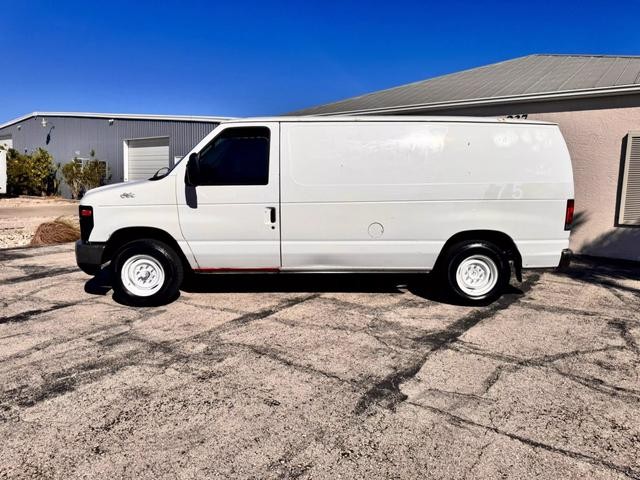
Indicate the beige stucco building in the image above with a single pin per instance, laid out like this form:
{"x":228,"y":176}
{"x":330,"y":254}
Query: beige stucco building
{"x":594,"y":99}
{"x":597,"y":141}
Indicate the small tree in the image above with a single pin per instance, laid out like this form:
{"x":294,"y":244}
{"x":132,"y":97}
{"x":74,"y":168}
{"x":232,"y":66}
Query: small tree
{"x":46,"y":171}
{"x":17,"y":177}
{"x":72,"y":175}
{"x":94,"y":172}
{"x":31,"y":174}
{"x":84,"y":175}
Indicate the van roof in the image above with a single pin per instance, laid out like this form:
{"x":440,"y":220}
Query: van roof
{"x":389,"y":118}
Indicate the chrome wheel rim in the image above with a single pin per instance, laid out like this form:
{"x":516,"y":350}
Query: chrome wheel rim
{"x":142,"y":275}
{"x":477,"y":275}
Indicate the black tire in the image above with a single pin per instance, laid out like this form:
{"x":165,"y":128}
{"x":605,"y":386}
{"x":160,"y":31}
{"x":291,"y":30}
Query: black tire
{"x":483,"y":259}
{"x":148,"y":255}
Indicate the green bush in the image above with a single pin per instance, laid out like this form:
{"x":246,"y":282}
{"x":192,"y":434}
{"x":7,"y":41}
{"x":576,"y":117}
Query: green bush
{"x":84,"y":175}
{"x":72,"y":175}
{"x":94,"y":173}
{"x":31,"y":174}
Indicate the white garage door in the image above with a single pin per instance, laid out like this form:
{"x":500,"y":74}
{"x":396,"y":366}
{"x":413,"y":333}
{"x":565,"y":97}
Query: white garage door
{"x":144,"y":156}
{"x":6,"y":144}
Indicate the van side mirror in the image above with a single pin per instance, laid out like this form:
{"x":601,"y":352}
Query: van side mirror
{"x":192,"y":172}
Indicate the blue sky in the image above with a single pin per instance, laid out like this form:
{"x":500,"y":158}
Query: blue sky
{"x":240,"y":58}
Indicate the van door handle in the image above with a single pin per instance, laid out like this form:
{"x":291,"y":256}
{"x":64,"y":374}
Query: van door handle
{"x":270,"y":215}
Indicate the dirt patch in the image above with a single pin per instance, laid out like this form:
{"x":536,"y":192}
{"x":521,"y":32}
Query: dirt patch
{"x":21,"y":216}
{"x":26,"y":201}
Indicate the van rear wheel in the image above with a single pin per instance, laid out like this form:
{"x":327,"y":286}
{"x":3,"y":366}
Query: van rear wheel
{"x":147,"y":273}
{"x":476,"y":271}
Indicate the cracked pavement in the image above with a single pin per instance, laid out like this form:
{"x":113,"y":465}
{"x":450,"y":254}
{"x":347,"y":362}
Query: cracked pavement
{"x":319,"y":376}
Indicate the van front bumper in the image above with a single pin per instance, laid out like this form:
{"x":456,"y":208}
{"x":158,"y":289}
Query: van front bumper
{"x":89,"y":256}
{"x":565,"y":259}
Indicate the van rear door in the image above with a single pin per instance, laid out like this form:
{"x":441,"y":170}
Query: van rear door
{"x":231,"y":216}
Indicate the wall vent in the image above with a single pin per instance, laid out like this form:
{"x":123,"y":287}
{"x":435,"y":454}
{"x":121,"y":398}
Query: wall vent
{"x":630,"y":198}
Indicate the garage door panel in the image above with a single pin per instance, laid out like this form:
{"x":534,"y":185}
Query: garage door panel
{"x":148,"y":142}
{"x":148,"y":152}
{"x":146,"y":156}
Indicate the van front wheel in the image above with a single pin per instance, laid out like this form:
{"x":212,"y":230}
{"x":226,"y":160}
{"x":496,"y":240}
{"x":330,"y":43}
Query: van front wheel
{"x":476,"y":271}
{"x":147,"y":273}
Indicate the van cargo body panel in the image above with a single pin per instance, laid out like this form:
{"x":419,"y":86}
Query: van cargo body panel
{"x":422,"y":183}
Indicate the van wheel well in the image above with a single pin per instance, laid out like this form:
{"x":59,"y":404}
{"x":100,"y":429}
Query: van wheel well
{"x":126,"y":235}
{"x":500,"y":239}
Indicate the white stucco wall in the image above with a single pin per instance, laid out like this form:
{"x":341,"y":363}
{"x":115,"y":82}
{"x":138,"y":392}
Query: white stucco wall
{"x":595,"y":139}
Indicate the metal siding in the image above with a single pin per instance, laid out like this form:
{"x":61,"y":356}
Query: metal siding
{"x":72,"y":134}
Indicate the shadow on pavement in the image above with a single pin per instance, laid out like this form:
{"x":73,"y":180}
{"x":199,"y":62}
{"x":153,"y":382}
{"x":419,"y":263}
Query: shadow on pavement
{"x":607,"y":273}
{"x":100,"y":284}
{"x":425,"y":286}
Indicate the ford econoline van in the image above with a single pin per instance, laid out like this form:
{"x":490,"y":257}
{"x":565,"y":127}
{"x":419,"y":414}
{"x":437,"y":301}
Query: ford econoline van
{"x":471,"y":198}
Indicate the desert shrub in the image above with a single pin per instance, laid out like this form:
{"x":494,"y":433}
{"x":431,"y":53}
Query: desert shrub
{"x":72,"y":175}
{"x":94,"y":174}
{"x":61,"y":230}
{"x":31,"y":174}
{"x":83,"y":175}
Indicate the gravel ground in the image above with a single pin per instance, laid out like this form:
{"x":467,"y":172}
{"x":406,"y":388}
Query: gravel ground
{"x":317,"y":377}
{"x":20,"y":216}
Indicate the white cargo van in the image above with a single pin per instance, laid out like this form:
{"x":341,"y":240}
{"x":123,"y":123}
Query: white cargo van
{"x":468,"y":197}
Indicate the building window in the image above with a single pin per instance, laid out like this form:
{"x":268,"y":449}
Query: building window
{"x":629,"y":213}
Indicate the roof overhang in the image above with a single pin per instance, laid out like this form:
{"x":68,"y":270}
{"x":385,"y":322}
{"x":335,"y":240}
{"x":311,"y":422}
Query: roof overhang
{"x":114,"y":116}
{"x":534,"y":97}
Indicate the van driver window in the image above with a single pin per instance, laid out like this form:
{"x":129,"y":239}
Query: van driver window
{"x":238,"y":156}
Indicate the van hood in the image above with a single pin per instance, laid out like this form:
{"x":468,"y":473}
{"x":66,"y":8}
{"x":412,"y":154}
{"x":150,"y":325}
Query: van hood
{"x":114,"y":186}
{"x":139,"y":192}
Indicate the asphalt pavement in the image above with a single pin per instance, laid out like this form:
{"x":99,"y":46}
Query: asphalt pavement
{"x":317,"y":376}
